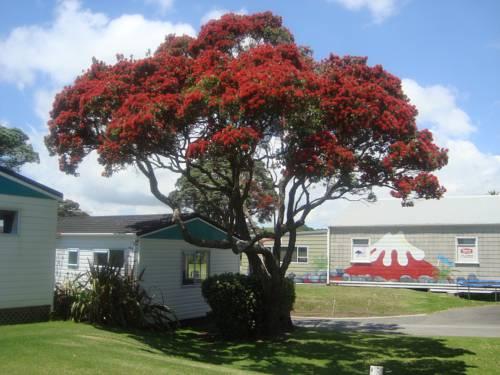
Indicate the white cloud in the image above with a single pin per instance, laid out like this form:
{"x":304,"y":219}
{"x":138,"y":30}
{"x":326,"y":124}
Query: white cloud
{"x":63,"y":49}
{"x":469,"y":170}
{"x":43,"y":99}
{"x":163,"y":5}
{"x":380,"y":9}
{"x":125,"y":192}
{"x":437,"y":107}
{"x":217,"y":13}
{"x":45,"y":57}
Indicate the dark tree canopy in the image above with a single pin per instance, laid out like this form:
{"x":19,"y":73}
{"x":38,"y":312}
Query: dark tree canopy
{"x":216,"y":206}
{"x":242,"y":92}
{"x":68,"y":207}
{"x":15,"y":149}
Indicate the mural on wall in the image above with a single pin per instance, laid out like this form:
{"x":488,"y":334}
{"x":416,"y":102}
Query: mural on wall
{"x":317,"y":275}
{"x":392,"y":258}
{"x":444,"y":268}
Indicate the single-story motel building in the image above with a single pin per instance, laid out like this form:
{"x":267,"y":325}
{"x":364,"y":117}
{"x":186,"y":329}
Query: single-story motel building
{"x":442,"y":242}
{"x":173,"y":268}
{"x":37,"y":250}
{"x":28,"y":222}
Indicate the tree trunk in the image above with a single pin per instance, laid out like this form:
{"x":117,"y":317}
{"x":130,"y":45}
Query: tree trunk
{"x":277,"y":301}
{"x":277,"y":307}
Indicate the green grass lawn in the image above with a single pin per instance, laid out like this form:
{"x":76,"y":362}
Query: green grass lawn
{"x":317,"y":300}
{"x":66,"y":347}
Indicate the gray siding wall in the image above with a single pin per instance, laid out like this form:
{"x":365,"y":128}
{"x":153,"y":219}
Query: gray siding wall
{"x":316,"y":267}
{"x":437,"y":242}
{"x":86,"y":246}
{"x":27,"y":257}
{"x":162,"y":261}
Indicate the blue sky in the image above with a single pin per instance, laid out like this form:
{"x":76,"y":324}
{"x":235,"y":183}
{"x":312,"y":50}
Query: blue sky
{"x":447,"y":52}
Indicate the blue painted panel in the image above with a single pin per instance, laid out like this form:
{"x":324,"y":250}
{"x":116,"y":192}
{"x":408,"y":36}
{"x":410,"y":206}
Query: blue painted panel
{"x":198,"y":228}
{"x":10,"y":187}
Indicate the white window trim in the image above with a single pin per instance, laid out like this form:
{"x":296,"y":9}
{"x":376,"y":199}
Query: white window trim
{"x":17,"y":220}
{"x":307,"y":255}
{"x":108,"y":252}
{"x":352,"y":250}
{"x":99,"y":251}
{"x":183,"y":265}
{"x":474,"y":261}
{"x":297,"y":247}
{"x":77,"y":264}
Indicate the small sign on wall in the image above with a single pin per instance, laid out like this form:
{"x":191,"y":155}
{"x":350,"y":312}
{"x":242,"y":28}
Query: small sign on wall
{"x":360,"y":250}
{"x":467,"y":250}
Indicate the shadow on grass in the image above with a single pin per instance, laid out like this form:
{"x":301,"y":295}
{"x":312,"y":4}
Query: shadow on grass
{"x":314,"y":351}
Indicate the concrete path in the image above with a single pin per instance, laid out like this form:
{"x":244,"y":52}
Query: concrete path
{"x":470,"y":321}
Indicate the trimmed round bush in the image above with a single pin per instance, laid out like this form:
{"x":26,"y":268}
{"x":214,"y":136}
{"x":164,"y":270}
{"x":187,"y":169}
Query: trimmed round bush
{"x":240,"y":306}
{"x":236,"y":302}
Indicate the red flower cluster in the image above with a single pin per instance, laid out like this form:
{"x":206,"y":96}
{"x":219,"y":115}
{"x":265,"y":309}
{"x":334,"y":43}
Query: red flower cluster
{"x":425,"y":185}
{"x":228,"y":141}
{"x":321,"y":155}
{"x":232,"y":29}
{"x":334,"y":117}
{"x":420,"y":152}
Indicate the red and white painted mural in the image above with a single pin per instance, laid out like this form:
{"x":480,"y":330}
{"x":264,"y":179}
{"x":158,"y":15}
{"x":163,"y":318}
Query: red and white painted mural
{"x":393,"y":258}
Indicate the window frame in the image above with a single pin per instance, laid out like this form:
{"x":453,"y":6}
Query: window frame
{"x":185,"y":282}
{"x":285,"y":247}
{"x":306,"y":257}
{"x":100,"y":251}
{"x":109,"y":257}
{"x":15,"y":221}
{"x":77,"y":264}
{"x":358,"y":261}
{"x":108,"y":254}
{"x":476,"y":246}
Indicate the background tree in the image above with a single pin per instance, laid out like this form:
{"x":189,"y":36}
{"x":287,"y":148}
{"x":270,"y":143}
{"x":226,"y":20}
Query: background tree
{"x":68,"y":207}
{"x":494,"y":192}
{"x":216,"y":206}
{"x":15,"y":149}
{"x":242,"y":93}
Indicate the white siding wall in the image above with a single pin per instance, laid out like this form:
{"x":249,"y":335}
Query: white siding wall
{"x":27,"y":257}
{"x":86,"y":246}
{"x":162,"y":260}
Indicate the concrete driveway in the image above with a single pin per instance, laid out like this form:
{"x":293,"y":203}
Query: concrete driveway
{"x":470,"y":321}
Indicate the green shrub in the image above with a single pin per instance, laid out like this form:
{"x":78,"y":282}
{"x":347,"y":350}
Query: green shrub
{"x":239,"y":304}
{"x":236,"y":303}
{"x":65,"y":295}
{"x":103,"y":295}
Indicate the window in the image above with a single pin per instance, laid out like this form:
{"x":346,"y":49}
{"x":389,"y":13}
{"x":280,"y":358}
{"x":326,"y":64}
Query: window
{"x":100,"y":257}
{"x":8,"y":221}
{"x":467,"y":250}
{"x":299,"y":255}
{"x":113,"y":258}
{"x":195,"y":267}
{"x":360,"y":250}
{"x":73,"y":258}
{"x":116,"y":258}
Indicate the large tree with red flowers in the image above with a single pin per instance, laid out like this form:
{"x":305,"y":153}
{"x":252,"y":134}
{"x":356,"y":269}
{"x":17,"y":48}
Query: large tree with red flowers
{"x":240,"y":94}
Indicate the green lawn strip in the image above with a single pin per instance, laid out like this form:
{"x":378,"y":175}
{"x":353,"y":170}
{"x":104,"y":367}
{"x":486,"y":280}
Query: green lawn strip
{"x":65,"y":347}
{"x":317,"y":300}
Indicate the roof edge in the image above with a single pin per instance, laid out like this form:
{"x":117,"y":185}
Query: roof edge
{"x":28,"y":181}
